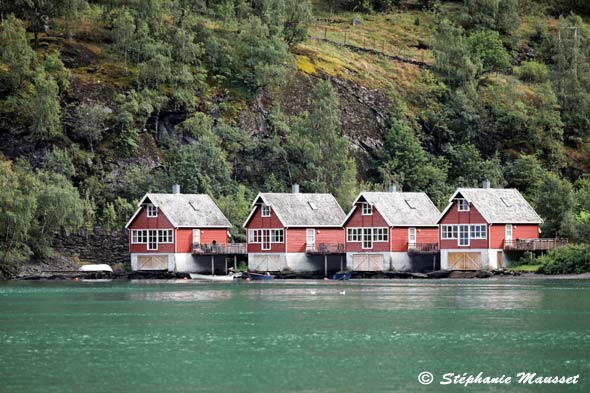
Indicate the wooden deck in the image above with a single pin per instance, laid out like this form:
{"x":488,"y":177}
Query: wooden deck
{"x":220,"y":249}
{"x":325,"y":249}
{"x":423,"y":248}
{"x":534,"y":244}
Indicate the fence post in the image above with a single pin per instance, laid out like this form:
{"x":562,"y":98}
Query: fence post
{"x":325,"y":33}
{"x":344,"y":38}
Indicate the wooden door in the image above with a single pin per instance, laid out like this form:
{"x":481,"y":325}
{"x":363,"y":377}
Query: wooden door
{"x":411,"y":237}
{"x":500,"y":260}
{"x":196,"y":238}
{"x":310,"y":239}
{"x":464,"y":261}
{"x":367,"y":262}
{"x":152,"y":262}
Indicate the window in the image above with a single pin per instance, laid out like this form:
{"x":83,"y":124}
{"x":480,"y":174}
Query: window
{"x":410,"y":204}
{"x":266,"y":237}
{"x":380,"y":234}
{"x":412,"y":236}
{"x":463,"y":235}
{"x":353,"y":235}
{"x":152,"y":237}
{"x":312,"y":205}
{"x":478,"y":232}
{"x":506,"y":202}
{"x":265,"y":211}
{"x":152,"y":211}
{"x":367,"y":237}
{"x":276,"y":236}
{"x":449,"y":231}
{"x":367,"y":209}
{"x":194,"y":205}
{"x":463,"y":205}
{"x":153,"y":240}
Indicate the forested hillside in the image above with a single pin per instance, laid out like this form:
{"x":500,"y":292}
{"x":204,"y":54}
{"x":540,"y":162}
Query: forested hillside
{"x":104,"y":100}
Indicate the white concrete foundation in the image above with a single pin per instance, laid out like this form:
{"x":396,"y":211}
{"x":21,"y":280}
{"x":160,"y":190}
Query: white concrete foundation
{"x":379,"y":261}
{"x":294,"y":262}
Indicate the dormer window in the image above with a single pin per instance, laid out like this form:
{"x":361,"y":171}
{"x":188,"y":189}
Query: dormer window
{"x":367,"y":209}
{"x":265,"y":211}
{"x":152,"y":211}
{"x":463,"y":205}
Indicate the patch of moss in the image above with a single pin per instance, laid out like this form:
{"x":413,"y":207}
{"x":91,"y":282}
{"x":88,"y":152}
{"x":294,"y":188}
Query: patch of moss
{"x":305,"y":65}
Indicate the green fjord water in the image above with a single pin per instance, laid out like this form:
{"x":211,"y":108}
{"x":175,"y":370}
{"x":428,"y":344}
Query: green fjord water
{"x":290,"y":336}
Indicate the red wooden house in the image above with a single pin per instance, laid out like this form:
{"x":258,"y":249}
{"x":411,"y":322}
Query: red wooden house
{"x":480,"y":224}
{"x":176,"y":231}
{"x":391,"y":230}
{"x":296,"y":232}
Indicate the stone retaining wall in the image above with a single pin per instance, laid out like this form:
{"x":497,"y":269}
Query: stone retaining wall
{"x":96,"y":247}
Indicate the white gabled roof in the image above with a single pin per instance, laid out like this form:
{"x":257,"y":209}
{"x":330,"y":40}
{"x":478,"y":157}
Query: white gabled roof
{"x":405,"y":209}
{"x":497,"y":205}
{"x":186,"y":210}
{"x":301,"y":209}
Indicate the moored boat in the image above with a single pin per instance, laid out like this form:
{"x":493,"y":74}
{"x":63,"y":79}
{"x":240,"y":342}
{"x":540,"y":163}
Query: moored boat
{"x":258,"y":276}
{"x":96,"y":268}
{"x":340,"y":276}
{"x":208,"y":277}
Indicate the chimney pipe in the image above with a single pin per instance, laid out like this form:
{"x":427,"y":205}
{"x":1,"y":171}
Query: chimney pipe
{"x":392,"y":188}
{"x":176,"y":188}
{"x":486,"y":183}
{"x":295,"y":188}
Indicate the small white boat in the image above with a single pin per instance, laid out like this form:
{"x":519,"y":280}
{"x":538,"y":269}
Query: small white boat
{"x":96,"y":268}
{"x":208,"y":277}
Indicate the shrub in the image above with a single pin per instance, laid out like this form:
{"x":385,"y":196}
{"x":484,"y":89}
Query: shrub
{"x":571,"y":259}
{"x":531,"y":71}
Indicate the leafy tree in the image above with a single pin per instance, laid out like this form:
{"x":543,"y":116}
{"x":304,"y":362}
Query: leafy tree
{"x":17,"y":205}
{"x":123,"y":35}
{"x":526,"y":175}
{"x":15,"y":52}
{"x":499,"y":15}
{"x":54,"y":67}
{"x":487,"y":47}
{"x":89,"y":121}
{"x":236,"y":208}
{"x":555,"y":203}
{"x":59,"y":161}
{"x":44,"y":106}
{"x":58,"y":206}
{"x":137,"y":180}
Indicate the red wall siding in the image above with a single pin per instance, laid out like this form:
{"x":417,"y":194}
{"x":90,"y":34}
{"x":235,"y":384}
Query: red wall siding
{"x":374,"y":220}
{"x":184,"y":240}
{"x":399,"y":237}
{"x":454,"y":216}
{"x":217,"y":234}
{"x":498,"y":233}
{"x":142,"y":221}
{"x":259,"y":222}
{"x":297,"y":237}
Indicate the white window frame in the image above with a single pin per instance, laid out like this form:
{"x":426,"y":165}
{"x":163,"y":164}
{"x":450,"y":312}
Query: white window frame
{"x":380,"y":235}
{"x":412,"y":234}
{"x":265,"y":211}
{"x":449,"y":232}
{"x":508,"y":229}
{"x":460,"y":239}
{"x":152,"y":211}
{"x":463,"y":205}
{"x":354,"y":235}
{"x":478,"y":231}
{"x":367,"y":243}
{"x":257,"y":236}
{"x":367,"y":209}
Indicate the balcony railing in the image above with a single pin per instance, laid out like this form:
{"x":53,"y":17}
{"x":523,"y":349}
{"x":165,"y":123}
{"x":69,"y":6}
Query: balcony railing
{"x":533,"y":244}
{"x":216,"y":249}
{"x":325,"y":248}
{"x":423,"y":248}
